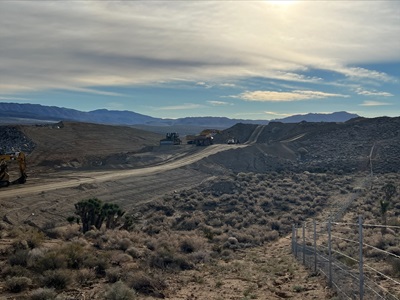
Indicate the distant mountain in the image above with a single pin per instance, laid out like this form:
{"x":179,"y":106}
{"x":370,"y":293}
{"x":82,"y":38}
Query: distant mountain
{"x":11,"y":112}
{"x":339,"y":117}
{"x":32,"y":112}
{"x":101,"y":116}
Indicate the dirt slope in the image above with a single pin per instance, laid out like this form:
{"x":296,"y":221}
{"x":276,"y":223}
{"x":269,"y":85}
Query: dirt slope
{"x":83,"y":144}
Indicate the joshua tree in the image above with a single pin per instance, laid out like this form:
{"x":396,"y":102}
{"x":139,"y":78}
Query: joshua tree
{"x":390,"y":190}
{"x":94,"y":213}
{"x":89,"y":211}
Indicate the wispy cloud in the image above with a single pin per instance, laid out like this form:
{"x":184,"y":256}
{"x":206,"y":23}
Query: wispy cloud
{"x":276,"y":114}
{"x":362,"y":73}
{"x":7,"y":98}
{"x":110,"y":43}
{"x":219,"y":103}
{"x":185,"y":106}
{"x":374,"y":103}
{"x":363,"y":92}
{"x":273,"y":96}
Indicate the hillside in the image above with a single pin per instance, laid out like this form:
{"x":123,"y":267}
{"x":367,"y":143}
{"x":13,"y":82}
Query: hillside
{"x":317,"y":147}
{"x":13,"y":113}
{"x":204,"y":221}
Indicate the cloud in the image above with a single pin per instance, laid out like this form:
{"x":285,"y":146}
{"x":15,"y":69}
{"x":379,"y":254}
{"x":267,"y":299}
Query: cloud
{"x":362,"y":73}
{"x":70,"y":45}
{"x":374,"y":103}
{"x":272,"y":113}
{"x":363,"y":92}
{"x":273,"y":96}
{"x":20,"y":99}
{"x":185,"y":106}
{"x":219,"y":103}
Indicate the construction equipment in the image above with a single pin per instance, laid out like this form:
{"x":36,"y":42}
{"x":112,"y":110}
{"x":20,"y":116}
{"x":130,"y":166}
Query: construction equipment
{"x":205,"y":138}
{"x":4,"y":175}
{"x":171,"y":138}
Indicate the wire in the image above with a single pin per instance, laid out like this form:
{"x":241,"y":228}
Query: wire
{"x":381,"y":250}
{"x":341,"y":290}
{"x":381,"y":226}
{"x":345,"y":255}
{"x":380,"y":273}
{"x":347,"y":240}
{"x":346,"y":271}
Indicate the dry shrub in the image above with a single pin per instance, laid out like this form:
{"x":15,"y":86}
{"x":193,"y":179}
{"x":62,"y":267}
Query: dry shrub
{"x":13,"y":271}
{"x":43,"y":294}
{"x":19,"y":258}
{"x":119,"y":291}
{"x":169,"y":260}
{"x":34,"y":256}
{"x":58,"y":279}
{"x":113,"y":275}
{"x":18,"y":284}
{"x":134,"y":252}
{"x":51,"y":260}
{"x":189,"y":244}
{"x":98,"y":263}
{"x":85,"y":276}
{"x":395,"y":264}
{"x":75,"y":255}
{"x":146,"y":285}
{"x":121,"y":258}
{"x":272,"y":235}
{"x":124,"y":244}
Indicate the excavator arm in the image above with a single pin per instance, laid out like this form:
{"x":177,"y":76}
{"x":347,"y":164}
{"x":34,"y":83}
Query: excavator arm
{"x":20,"y":158}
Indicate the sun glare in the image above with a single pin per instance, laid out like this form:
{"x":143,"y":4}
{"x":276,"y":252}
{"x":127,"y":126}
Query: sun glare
{"x":281,"y":2}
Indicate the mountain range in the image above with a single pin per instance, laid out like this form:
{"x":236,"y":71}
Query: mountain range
{"x":31,"y":113}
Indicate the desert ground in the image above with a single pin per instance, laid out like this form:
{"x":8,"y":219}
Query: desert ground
{"x":210,"y":222}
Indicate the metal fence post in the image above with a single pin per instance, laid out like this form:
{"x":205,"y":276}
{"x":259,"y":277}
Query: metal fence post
{"x":295,"y":240}
{"x":361,"y":266}
{"x":315,"y":246}
{"x":304,"y":243}
{"x":330,"y":254}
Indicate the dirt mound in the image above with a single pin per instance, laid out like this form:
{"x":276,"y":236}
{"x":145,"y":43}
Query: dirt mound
{"x":75,"y":144}
{"x":316,"y":147}
{"x":12,"y":139}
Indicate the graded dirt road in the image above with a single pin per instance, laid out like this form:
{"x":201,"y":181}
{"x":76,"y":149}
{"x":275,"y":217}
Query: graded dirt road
{"x":51,"y":198}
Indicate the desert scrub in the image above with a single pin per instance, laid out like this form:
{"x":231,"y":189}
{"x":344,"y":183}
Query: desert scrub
{"x":43,"y":294}
{"x":113,"y":274}
{"x":146,"y":284}
{"x":169,"y":260}
{"x":85,"y":276}
{"x":19,"y":258}
{"x":18,"y":284}
{"x":51,"y":260}
{"x":58,"y":279}
{"x":119,"y":291}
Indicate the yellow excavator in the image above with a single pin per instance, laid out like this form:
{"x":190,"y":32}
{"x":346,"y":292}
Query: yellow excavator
{"x":19,"y":157}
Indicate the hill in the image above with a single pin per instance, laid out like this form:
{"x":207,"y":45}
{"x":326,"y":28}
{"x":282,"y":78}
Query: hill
{"x":13,"y":113}
{"x":218,"y":226}
{"x":341,"y":116}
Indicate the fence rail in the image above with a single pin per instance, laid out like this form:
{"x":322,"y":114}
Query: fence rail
{"x":315,"y":245}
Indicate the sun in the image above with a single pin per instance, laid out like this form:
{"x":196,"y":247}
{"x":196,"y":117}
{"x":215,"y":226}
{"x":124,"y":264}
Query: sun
{"x":282,"y":2}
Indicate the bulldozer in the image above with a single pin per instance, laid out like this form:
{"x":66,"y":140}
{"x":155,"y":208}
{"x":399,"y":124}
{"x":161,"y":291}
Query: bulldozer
{"x":19,"y":157}
{"x":171,"y":138}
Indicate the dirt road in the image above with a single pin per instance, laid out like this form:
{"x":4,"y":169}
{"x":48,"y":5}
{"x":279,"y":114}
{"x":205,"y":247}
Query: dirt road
{"x":51,"y":198}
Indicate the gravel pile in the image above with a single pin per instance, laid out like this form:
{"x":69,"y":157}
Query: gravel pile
{"x":12,"y":140}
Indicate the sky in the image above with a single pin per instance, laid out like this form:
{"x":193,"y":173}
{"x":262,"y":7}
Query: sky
{"x":171,"y":59}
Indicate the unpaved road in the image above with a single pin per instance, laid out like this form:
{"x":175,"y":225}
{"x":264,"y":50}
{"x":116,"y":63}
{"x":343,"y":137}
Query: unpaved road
{"x":51,"y":198}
